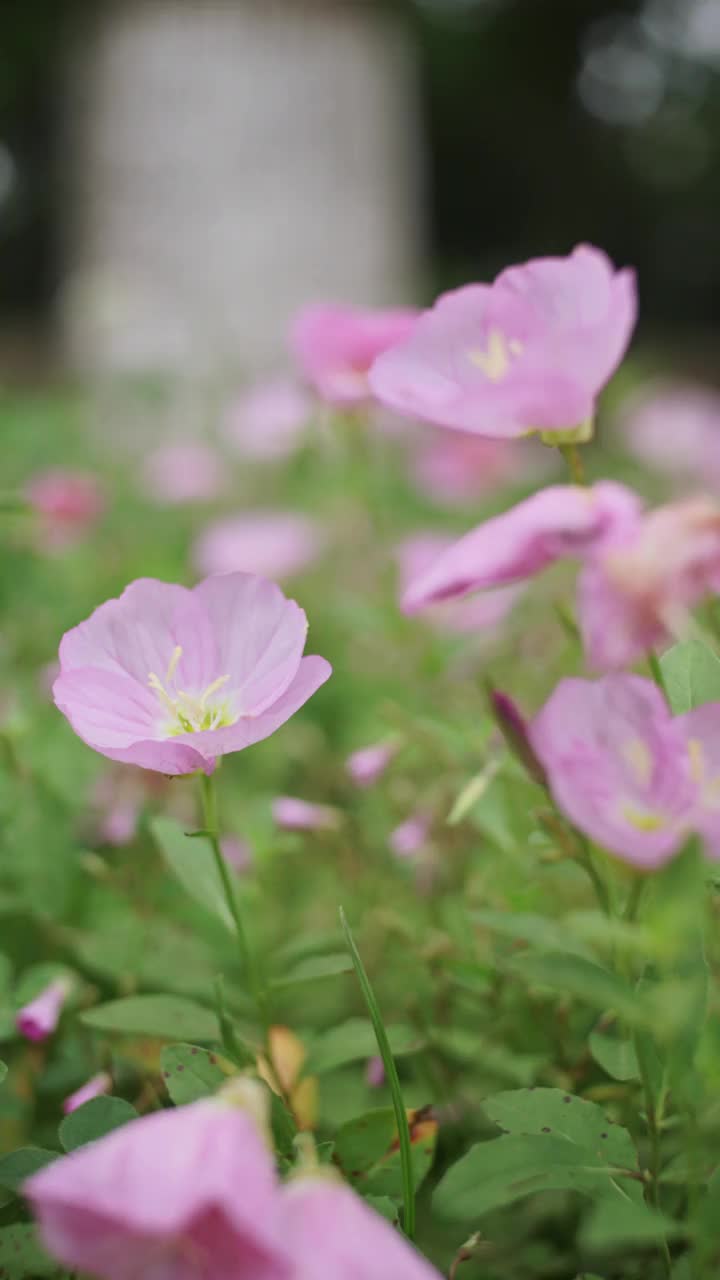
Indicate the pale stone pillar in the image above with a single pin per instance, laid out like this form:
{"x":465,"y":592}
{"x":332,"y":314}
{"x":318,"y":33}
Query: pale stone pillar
{"x":226,"y":160}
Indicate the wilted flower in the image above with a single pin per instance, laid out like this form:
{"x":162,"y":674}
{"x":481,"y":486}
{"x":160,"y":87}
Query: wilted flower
{"x":68,"y":503}
{"x":93,"y":1088}
{"x":530,"y":352}
{"x":169,"y":679}
{"x":179,"y":473}
{"x":39,"y":1018}
{"x":267,"y":422}
{"x":368,"y":764}
{"x":293,"y":814}
{"x":675,"y":427}
{"x":275,"y":544}
{"x":627,"y":773}
{"x":335,"y":345}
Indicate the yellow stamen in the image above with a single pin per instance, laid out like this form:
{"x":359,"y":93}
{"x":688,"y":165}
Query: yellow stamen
{"x":637,"y":755}
{"x":644,"y":821}
{"x":495,"y":361}
{"x":172,"y":665}
{"x":697,"y":760}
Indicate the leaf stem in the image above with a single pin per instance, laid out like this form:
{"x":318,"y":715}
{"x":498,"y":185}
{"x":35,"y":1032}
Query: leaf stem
{"x":571,"y":454}
{"x":393,"y":1080}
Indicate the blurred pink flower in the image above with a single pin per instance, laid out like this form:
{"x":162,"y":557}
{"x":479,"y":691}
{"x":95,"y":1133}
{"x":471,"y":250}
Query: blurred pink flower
{"x":39,"y":1018}
{"x":183,"y":472}
{"x":236,"y":852}
{"x":410,"y":838}
{"x":68,"y":503}
{"x":268,"y":421}
{"x":292,"y":814}
{"x":180,"y":1193}
{"x":169,"y":679}
{"x":453,"y":467}
{"x":416,"y":556}
{"x":275,"y":544}
{"x":335,"y":345}
{"x":375,"y":1072}
{"x":625,"y":772}
{"x":368,"y":764}
{"x":93,"y":1088}
{"x":530,"y":352}
{"x":675,"y":427}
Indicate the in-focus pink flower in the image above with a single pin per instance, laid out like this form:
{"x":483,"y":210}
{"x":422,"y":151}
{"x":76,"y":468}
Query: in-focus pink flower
{"x":39,"y":1018}
{"x":236,"y":852}
{"x":333,"y":1235}
{"x":335,"y":345}
{"x":627,"y":773}
{"x":417,"y":555}
{"x":275,"y":544}
{"x":268,"y":421}
{"x":530,"y":352}
{"x":177,"y":1194}
{"x":93,"y":1088}
{"x":68,"y":503}
{"x":366,"y":766}
{"x":169,"y":678}
{"x":292,"y":814}
{"x":560,"y":521}
{"x":178,"y":473}
{"x":675,"y":427}
{"x":453,"y":467}
{"x":410,"y":838}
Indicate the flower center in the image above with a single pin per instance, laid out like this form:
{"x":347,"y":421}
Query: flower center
{"x":496,"y":359}
{"x":191,"y":712}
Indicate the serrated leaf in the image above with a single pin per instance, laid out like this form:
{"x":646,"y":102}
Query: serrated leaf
{"x":616,"y":1057}
{"x":164,"y":1017}
{"x":93,"y":1120}
{"x":190,"y":1072}
{"x":20,"y":1164}
{"x":353,"y":1040}
{"x":691,"y":674}
{"x":22,"y":1255}
{"x":192,"y":862}
{"x":315,"y":967}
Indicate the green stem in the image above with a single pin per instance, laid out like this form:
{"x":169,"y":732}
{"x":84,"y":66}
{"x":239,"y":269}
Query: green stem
{"x":393,"y":1081}
{"x":571,"y":454}
{"x":656,"y":671}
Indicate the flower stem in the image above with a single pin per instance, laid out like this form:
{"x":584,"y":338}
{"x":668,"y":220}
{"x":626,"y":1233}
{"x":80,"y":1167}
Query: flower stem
{"x":571,"y":454}
{"x":393,"y":1080}
{"x":656,"y":671}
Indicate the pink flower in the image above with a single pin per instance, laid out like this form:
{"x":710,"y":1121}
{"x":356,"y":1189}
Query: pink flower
{"x":368,"y":764}
{"x":375,"y":1072}
{"x":333,"y":1235}
{"x":560,"y":521}
{"x":38,"y":1019}
{"x":236,"y":852}
{"x":416,"y":556}
{"x":275,"y":544}
{"x":176,"y":1194}
{"x":410,"y":838}
{"x":452,"y":466}
{"x":169,"y":678}
{"x":335,"y":345}
{"x":292,"y":814}
{"x":530,"y":352}
{"x":268,"y":421}
{"x":69,"y":503}
{"x":675,"y":427}
{"x":93,"y":1088}
{"x":625,"y":772}
{"x":179,"y":473}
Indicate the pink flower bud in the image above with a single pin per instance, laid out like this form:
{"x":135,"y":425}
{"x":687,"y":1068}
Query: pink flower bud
{"x":38,"y":1019}
{"x":96,"y":1085}
{"x":292,"y":814}
{"x":366,"y":766}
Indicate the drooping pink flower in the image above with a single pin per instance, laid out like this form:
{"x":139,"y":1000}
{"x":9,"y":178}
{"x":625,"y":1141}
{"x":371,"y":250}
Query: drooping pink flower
{"x":627,"y":773}
{"x":275,"y":544}
{"x":177,"y":1195}
{"x":93,"y":1088}
{"x":675,"y":428}
{"x":417,"y":554}
{"x":333,"y":1235}
{"x":335,"y":345}
{"x":452,"y":466}
{"x":39,"y":1018}
{"x":410,"y":838}
{"x":530,"y":352}
{"x":183,"y":472}
{"x":268,"y":421}
{"x":169,"y":678}
{"x":560,"y":521}
{"x":68,"y":503}
{"x":293,"y":814}
{"x":368,"y":764}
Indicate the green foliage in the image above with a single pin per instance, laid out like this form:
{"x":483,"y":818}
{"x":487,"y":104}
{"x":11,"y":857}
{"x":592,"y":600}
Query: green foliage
{"x":353,"y":1040}
{"x":93,"y":1120}
{"x":22,"y":1255}
{"x":20,"y":1164}
{"x":163,"y":1016}
{"x":191,"y":860}
{"x":691,"y":675}
{"x":190,"y":1072}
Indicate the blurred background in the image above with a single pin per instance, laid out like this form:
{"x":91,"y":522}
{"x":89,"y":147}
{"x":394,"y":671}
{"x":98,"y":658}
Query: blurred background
{"x":176,"y":177}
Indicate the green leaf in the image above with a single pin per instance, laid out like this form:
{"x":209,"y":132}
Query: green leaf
{"x":3,"y":1071}
{"x":165,"y":1017}
{"x":314,"y":967}
{"x":363,"y":1141}
{"x":22,"y":1255}
{"x":20,"y":1164}
{"x":192,"y":862}
{"x":531,"y":1111}
{"x":575,"y":976}
{"x":367,"y":1151}
{"x":93,"y":1120}
{"x":626,"y":1224}
{"x":616,"y":1057}
{"x":539,"y":931}
{"x":190,"y":1072}
{"x":691,"y":674}
{"x":385,"y":1207}
{"x":353,"y":1040}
